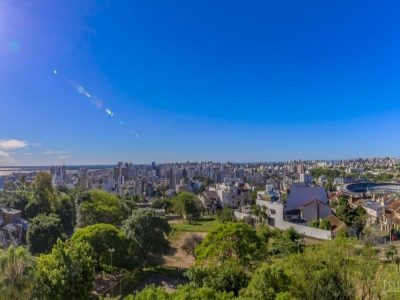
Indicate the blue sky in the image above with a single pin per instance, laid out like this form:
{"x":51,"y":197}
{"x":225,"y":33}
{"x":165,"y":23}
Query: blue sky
{"x":197,"y":80}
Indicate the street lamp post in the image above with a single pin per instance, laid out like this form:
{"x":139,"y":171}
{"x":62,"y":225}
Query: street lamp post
{"x":111,"y":250}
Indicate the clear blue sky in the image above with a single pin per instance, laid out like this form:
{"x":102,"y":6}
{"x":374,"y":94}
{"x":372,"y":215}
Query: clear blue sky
{"x":198,"y":80}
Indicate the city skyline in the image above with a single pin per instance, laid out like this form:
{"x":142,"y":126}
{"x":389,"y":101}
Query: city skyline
{"x":98,"y":81}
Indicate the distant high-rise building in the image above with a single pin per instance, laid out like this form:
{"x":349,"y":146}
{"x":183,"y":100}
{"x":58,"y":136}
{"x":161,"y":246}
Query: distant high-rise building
{"x":301,"y":168}
{"x":108,"y":183}
{"x":305,"y":178}
{"x":131,"y":171}
{"x":58,"y":175}
{"x":83,"y":179}
{"x":121,"y":180}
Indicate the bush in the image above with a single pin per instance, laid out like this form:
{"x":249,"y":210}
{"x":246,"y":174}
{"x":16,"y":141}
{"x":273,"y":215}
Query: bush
{"x":190,"y":243}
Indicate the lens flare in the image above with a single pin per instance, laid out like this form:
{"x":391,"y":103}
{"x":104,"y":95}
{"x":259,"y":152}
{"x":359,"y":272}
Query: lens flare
{"x":99,"y":104}
{"x":109,"y":112}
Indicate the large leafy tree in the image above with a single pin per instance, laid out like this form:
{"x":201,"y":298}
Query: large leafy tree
{"x":188,"y":292}
{"x":236,"y":242}
{"x":184,"y":292}
{"x":67,"y":213}
{"x":150,"y":292}
{"x":16,"y":273}
{"x":266,"y":283}
{"x":146,"y":233}
{"x":43,"y":233}
{"x":97,"y":206}
{"x":353,"y":217}
{"x":322,"y":272}
{"x":102,"y":238}
{"x":186,"y":205}
{"x":20,"y":199}
{"x":228,"y":277}
{"x":226,"y":215}
{"x":65,"y":273}
{"x":44,"y":196}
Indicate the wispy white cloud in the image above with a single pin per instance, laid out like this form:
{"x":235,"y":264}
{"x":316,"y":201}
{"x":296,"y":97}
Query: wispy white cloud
{"x":63,"y":157}
{"x":12,"y":144}
{"x":52,"y":152}
{"x":35,"y":145}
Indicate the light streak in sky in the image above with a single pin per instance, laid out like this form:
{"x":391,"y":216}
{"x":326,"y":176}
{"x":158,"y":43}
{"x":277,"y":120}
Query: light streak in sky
{"x":99,"y":104}
{"x":109,"y":112}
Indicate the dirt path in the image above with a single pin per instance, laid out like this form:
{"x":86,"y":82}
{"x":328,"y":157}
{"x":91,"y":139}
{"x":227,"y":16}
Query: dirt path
{"x":176,"y":257}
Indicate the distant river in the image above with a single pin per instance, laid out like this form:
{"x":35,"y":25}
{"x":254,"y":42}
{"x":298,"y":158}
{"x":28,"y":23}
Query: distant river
{"x":8,"y":171}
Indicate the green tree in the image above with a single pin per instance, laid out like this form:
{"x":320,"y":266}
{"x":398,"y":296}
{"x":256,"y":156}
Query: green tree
{"x":186,"y":205}
{"x":21,"y":199}
{"x":353,"y":217}
{"x":228,"y":277}
{"x":43,"y":192}
{"x":325,"y":224}
{"x":150,"y":292}
{"x":97,"y":206}
{"x":102,"y":238}
{"x":266,"y":283}
{"x":226,"y":215}
{"x":16,"y":273}
{"x":322,"y":272}
{"x":231,"y":241}
{"x":162,"y":203}
{"x":314,"y":223}
{"x":391,"y":252}
{"x":291,"y":234}
{"x":65,"y":273}
{"x":43,"y":233}
{"x":67,"y":213}
{"x":344,"y":211}
{"x":187,"y":292}
{"x":359,"y":219}
{"x":146,"y":233}
{"x":184,"y":292}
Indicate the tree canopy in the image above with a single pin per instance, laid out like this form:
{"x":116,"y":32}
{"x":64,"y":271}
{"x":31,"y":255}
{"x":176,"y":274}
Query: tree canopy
{"x":97,"y":206}
{"x":186,"y":205}
{"x":43,"y":233}
{"x":231,"y":241}
{"x":65,"y":273}
{"x":266,"y":283}
{"x":102,"y":238}
{"x":146,"y":233}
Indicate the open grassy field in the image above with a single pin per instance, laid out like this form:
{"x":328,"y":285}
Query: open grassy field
{"x":202,"y":225}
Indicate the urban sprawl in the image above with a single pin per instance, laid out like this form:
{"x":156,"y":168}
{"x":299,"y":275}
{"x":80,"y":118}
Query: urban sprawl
{"x":310,"y":196}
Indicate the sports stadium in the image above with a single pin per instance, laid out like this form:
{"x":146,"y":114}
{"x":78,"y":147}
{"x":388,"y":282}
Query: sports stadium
{"x":371,"y":187}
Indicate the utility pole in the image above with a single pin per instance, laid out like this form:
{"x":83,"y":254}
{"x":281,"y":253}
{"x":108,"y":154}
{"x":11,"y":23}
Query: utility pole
{"x":111,"y":250}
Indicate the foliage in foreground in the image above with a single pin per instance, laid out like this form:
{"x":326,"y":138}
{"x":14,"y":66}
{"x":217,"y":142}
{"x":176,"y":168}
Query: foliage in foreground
{"x":65,"y":273}
{"x":184,"y":292}
{"x":16,"y":273}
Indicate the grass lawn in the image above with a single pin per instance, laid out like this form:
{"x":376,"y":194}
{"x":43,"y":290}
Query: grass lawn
{"x":202,"y":225}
